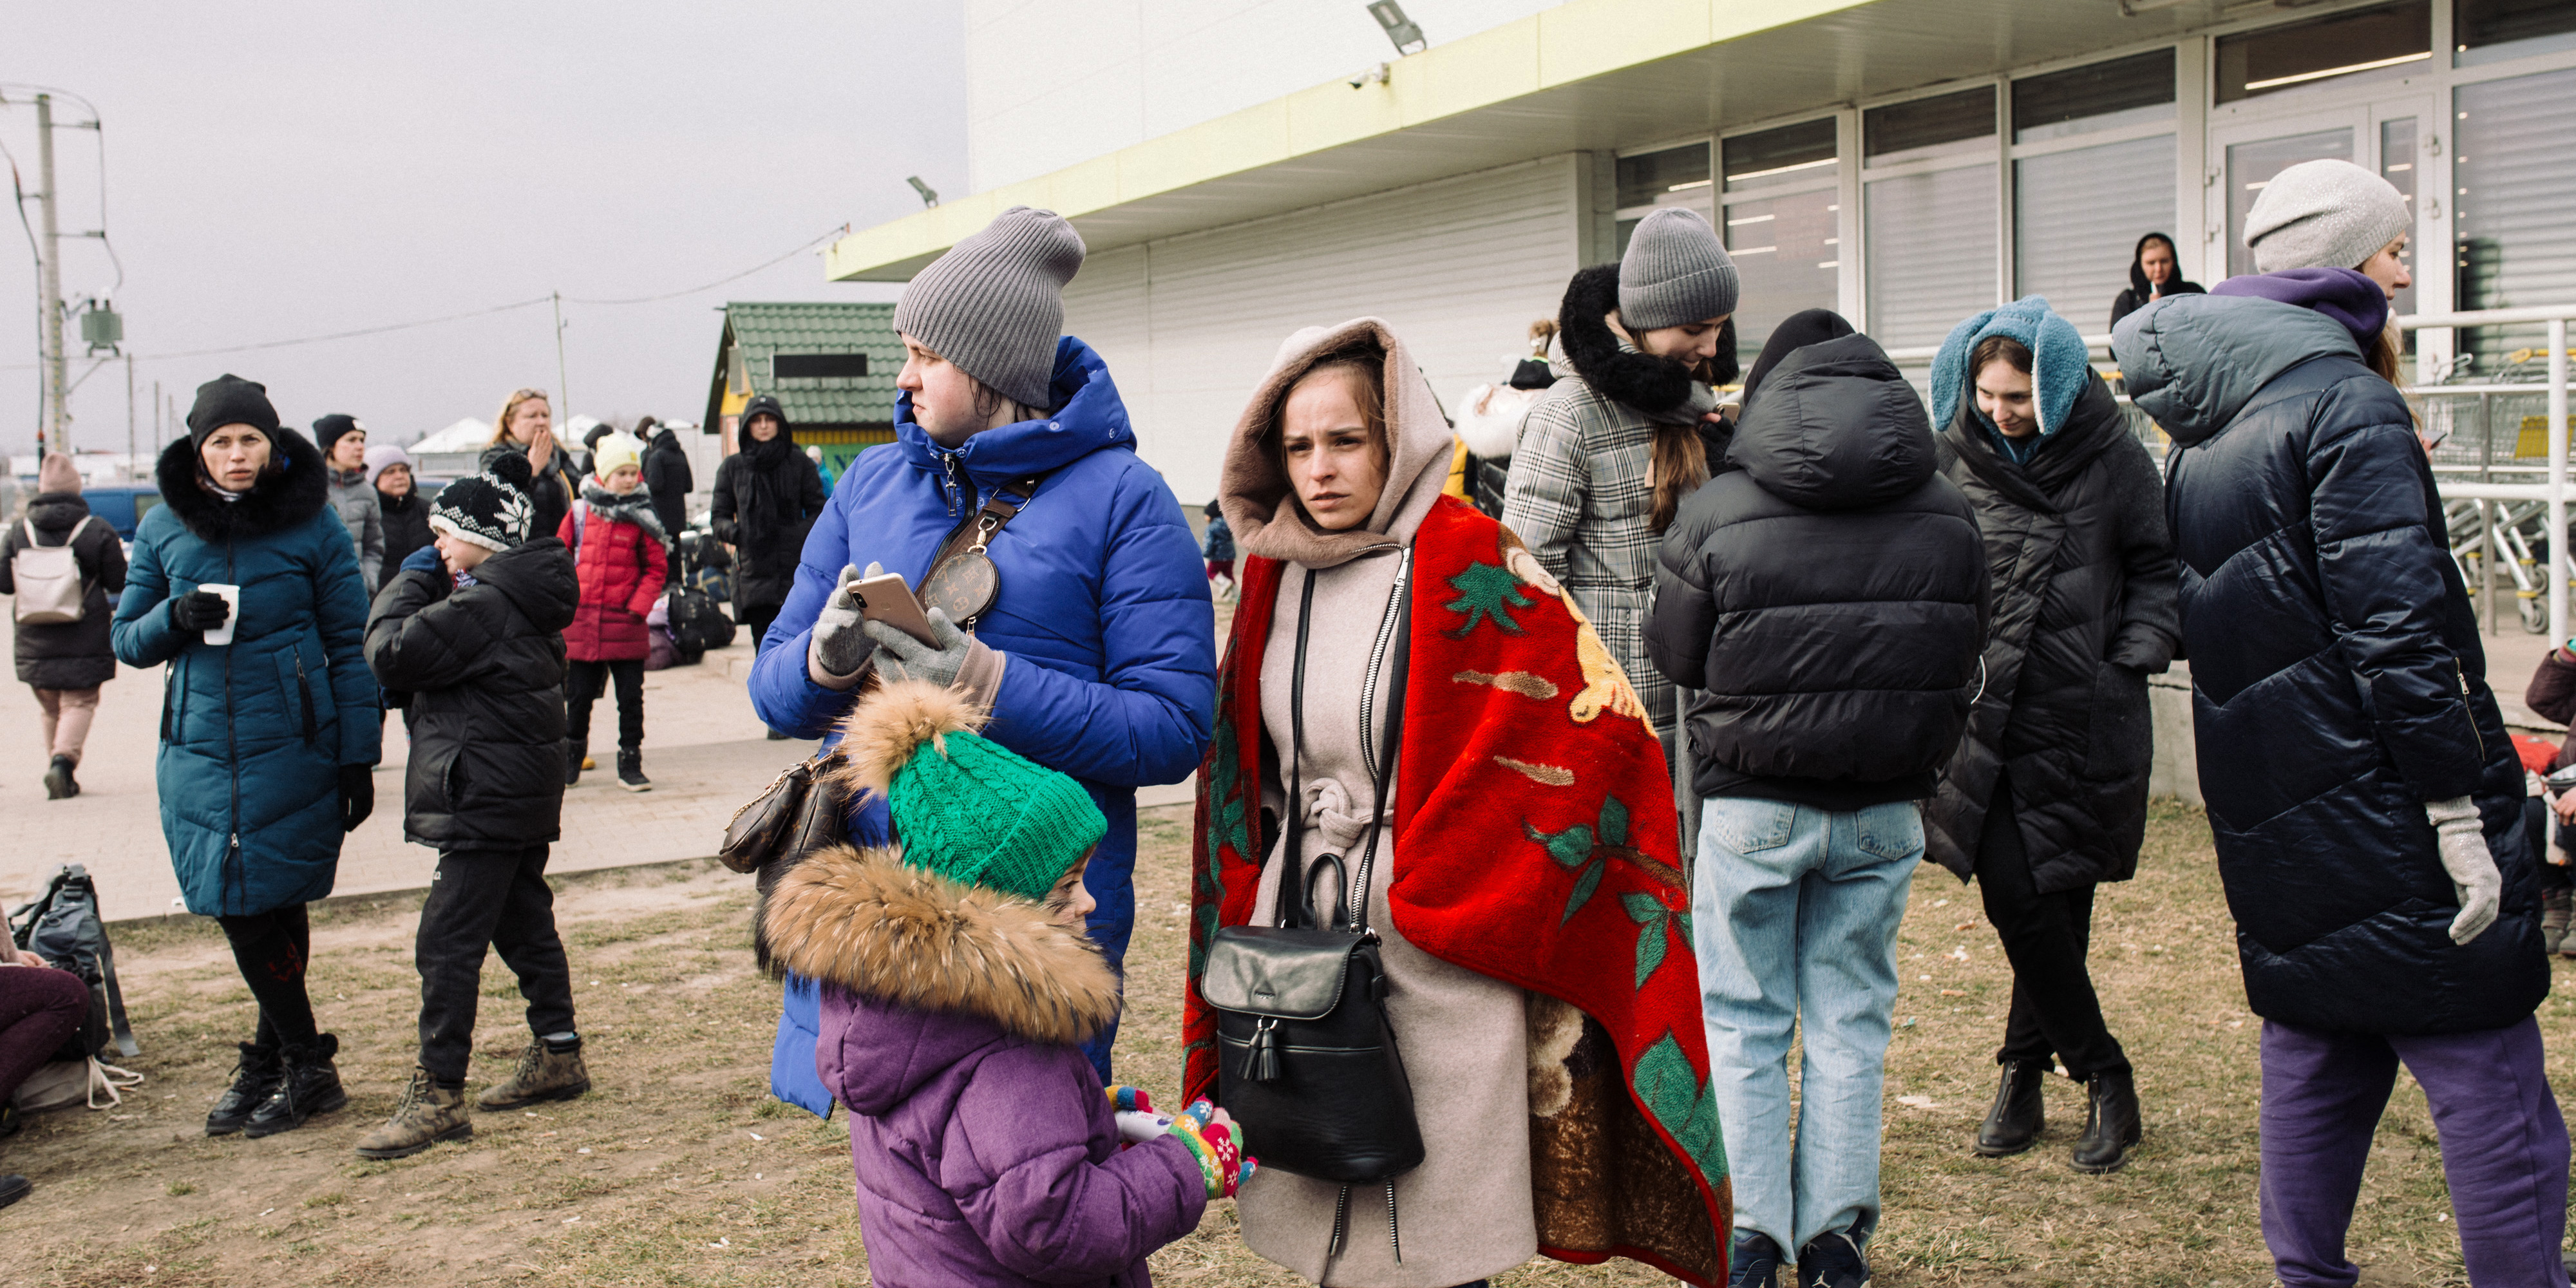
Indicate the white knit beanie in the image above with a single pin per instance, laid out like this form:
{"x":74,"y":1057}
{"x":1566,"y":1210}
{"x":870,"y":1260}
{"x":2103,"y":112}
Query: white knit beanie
{"x":994,"y":304}
{"x":2324,"y":214}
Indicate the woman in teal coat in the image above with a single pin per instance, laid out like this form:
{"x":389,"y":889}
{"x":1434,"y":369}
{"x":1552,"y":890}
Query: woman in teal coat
{"x":269,"y":719}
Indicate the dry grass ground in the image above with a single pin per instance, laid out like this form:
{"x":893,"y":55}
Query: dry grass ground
{"x":678,"y":1169}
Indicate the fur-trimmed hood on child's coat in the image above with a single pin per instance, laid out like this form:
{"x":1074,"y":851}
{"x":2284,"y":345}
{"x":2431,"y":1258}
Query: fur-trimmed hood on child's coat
{"x":941,"y":968}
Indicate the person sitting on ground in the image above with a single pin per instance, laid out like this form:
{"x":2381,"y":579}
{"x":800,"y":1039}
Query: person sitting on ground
{"x":471,"y":628}
{"x":957,"y":986}
{"x":623,"y":555}
{"x":40,"y":1008}
{"x":2154,"y":273}
{"x":65,"y":662}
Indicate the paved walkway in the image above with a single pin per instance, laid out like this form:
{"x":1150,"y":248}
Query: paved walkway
{"x":703,"y":748}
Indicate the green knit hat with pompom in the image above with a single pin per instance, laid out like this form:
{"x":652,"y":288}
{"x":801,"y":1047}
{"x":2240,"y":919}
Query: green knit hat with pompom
{"x":967,"y":807}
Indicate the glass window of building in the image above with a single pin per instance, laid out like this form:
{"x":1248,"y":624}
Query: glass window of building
{"x":2513,"y":204}
{"x":1670,"y":177}
{"x":1782,"y":226}
{"x":2250,"y":167}
{"x":1931,"y":222}
{"x":2383,"y":43}
{"x":2092,"y":173}
{"x":2488,"y":31}
{"x":2397,"y":160}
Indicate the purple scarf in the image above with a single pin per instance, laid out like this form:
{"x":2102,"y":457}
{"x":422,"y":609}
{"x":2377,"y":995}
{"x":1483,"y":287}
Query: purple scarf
{"x":2344,"y":294}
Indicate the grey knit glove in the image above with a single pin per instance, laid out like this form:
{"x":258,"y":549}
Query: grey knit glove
{"x":901,"y":657}
{"x":2472,"y":866}
{"x":840,"y":649}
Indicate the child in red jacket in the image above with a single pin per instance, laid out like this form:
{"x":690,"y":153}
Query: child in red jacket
{"x":621,"y":552}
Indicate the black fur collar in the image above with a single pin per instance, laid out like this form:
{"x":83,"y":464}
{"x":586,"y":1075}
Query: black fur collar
{"x":1624,"y":376}
{"x":281,"y":501}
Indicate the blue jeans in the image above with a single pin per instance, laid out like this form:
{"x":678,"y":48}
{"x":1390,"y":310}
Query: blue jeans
{"x":1795,"y":908}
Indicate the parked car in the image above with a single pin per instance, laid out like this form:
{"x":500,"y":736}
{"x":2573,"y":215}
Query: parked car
{"x":123,"y":505}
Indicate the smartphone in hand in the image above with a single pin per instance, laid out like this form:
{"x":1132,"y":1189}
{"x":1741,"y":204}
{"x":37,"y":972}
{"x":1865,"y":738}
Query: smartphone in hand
{"x":885,"y":598}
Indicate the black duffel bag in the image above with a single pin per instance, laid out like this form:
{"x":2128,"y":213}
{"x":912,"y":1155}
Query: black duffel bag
{"x":1306,"y":1059}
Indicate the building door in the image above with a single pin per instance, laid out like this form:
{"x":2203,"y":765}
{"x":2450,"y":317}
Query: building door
{"x":2245,"y":155}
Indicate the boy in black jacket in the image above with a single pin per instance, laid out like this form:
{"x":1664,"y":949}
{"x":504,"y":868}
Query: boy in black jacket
{"x":472,"y":627}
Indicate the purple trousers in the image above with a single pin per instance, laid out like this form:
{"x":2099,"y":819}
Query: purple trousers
{"x":39,"y":1009}
{"x":2504,"y":1147}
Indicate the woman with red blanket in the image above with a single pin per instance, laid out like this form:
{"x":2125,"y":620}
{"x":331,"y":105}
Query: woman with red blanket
{"x":1535,"y":927}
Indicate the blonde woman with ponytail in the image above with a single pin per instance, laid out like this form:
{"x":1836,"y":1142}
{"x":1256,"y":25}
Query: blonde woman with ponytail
{"x":1606,"y":457}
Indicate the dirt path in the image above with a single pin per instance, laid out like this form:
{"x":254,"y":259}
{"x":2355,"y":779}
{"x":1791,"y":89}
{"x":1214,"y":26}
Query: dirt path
{"x":678,"y":1168}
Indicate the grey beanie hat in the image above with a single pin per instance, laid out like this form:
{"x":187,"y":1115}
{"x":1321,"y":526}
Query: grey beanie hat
{"x":1675,"y":272}
{"x":994,"y":304}
{"x":2323,"y":214}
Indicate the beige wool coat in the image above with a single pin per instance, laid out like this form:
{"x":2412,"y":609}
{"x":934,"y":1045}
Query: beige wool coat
{"x":1466,"y":1212}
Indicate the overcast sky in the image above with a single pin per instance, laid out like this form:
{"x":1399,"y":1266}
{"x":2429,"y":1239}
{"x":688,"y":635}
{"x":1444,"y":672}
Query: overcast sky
{"x":288,"y":169}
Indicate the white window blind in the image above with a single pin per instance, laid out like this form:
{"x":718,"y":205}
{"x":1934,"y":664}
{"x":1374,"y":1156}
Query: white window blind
{"x":2515,"y":203}
{"x":1931,"y":252}
{"x":2078,"y":215}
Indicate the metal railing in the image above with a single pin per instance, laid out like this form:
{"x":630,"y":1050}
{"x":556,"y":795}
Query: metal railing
{"x":2460,"y":479}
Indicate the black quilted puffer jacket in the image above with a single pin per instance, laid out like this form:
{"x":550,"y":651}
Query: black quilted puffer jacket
{"x":1827,"y":592}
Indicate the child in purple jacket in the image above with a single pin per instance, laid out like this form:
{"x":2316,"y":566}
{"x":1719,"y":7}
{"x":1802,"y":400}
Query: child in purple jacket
{"x":957,"y":983}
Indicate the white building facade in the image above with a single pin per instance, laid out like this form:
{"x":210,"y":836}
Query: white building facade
{"x":1244,"y":169}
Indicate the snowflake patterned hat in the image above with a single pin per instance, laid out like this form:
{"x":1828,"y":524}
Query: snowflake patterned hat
{"x":491,"y":509}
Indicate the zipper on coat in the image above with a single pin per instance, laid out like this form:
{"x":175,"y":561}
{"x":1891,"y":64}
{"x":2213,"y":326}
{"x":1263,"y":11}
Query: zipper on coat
{"x":950,"y":484}
{"x":233,"y":872}
{"x":2470,"y":709}
{"x":304,"y":687}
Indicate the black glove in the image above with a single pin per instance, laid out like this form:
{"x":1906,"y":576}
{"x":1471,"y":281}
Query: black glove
{"x":357,"y":795}
{"x":199,"y":610}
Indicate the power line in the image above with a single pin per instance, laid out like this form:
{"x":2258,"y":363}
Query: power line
{"x":476,"y":313}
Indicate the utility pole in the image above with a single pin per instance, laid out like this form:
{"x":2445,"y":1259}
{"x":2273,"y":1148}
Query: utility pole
{"x":131,"y":472}
{"x":50,"y":284}
{"x":563,"y":382}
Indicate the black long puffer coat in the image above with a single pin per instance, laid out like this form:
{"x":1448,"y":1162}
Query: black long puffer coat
{"x":406,"y":526}
{"x":2338,"y":682}
{"x":767,"y":497}
{"x":1828,"y":592}
{"x":68,"y":655}
{"x":2084,"y":612}
{"x":485,"y":667}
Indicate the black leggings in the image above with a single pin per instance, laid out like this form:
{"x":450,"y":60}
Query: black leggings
{"x":272,"y":948}
{"x":2045,"y":936}
{"x":756,"y":618}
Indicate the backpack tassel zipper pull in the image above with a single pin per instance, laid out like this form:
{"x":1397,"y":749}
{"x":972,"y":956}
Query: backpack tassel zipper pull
{"x":1261,"y":1062}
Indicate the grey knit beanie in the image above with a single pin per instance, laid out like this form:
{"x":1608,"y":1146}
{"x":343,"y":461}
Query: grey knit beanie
{"x":2323,"y":214}
{"x":1675,"y":272}
{"x":994,"y":304}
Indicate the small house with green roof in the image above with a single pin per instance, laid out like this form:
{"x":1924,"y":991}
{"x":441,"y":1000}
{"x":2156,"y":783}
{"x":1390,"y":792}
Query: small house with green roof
{"x":830,"y":365}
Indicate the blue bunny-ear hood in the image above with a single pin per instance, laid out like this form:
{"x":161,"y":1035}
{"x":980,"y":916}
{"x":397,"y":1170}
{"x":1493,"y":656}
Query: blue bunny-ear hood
{"x":2191,"y":362}
{"x":1087,"y":416}
{"x":2059,"y":361}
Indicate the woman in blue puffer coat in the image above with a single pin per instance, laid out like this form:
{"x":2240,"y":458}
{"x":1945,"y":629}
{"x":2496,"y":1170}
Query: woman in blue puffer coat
{"x":267,"y":736}
{"x":1098,"y":653}
{"x":2364,"y":800}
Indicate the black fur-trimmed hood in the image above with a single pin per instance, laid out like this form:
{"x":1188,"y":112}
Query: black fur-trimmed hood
{"x":1659,"y":389}
{"x":293,"y":493}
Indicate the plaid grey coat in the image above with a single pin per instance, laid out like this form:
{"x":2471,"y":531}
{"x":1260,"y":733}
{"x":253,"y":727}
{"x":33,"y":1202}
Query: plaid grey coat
{"x":1581,"y":495}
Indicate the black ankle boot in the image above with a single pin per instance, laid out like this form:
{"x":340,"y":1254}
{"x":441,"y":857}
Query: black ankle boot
{"x":59,"y":783}
{"x":254,"y":1081}
{"x":2111,"y":1122}
{"x":309,"y":1085}
{"x":2014,"y":1124}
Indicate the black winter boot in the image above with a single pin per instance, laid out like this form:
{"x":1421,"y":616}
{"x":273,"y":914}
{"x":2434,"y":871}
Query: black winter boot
{"x":309,"y":1086}
{"x":2016,"y":1120}
{"x":254,"y":1081}
{"x":573,"y":756}
{"x":59,"y":783}
{"x":630,"y":770}
{"x":2111,"y":1123}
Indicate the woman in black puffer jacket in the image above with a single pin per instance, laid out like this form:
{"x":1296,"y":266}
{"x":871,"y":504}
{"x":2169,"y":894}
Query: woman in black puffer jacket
{"x":2047,"y":794}
{"x":767,"y":498}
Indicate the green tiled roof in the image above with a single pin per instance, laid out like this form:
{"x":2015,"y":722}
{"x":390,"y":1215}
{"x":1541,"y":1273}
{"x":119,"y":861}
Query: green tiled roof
{"x":763,"y":331}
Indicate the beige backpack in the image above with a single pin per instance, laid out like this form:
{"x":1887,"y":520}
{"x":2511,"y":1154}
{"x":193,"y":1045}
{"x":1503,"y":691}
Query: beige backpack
{"x":50,"y":589}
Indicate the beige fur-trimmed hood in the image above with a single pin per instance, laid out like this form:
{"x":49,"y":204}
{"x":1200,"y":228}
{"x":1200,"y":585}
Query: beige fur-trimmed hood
{"x":862,"y":920}
{"x":1253,"y":489}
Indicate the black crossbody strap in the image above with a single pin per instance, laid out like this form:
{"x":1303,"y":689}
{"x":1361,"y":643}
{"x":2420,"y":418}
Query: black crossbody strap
{"x":1293,"y":879}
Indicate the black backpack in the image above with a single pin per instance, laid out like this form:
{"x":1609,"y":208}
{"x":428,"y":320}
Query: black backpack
{"x":62,"y":926}
{"x":697,"y":624}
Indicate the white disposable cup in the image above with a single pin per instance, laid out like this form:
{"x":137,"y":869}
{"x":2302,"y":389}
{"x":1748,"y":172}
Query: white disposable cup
{"x":232,"y":599}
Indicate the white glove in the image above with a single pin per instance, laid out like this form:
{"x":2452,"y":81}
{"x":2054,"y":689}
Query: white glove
{"x":840,"y":649}
{"x":2474,"y":875}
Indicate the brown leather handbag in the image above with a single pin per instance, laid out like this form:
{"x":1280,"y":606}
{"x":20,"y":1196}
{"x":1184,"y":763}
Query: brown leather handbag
{"x":800,"y":811}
